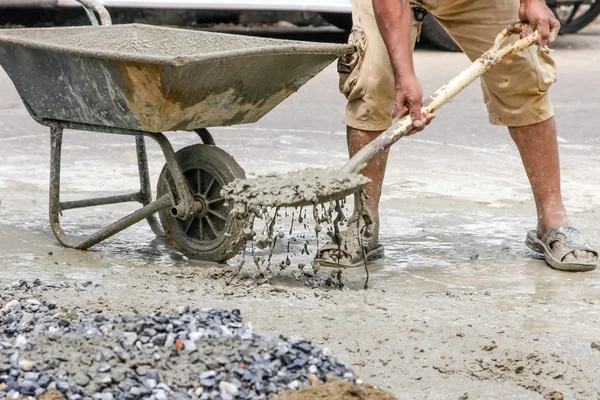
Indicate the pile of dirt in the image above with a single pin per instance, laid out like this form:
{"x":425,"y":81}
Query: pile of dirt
{"x":200,"y":354}
{"x":338,"y":390}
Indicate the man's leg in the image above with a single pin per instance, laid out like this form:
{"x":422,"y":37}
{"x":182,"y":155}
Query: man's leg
{"x":539,"y":152}
{"x":516,"y":95}
{"x":367,"y":81}
{"x":375,"y":170}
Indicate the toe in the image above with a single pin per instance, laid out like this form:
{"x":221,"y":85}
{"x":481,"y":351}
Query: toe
{"x":589,"y":256}
{"x":584,"y":256}
{"x":580,"y":255}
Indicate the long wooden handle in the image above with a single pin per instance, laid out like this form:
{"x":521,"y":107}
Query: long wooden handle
{"x":447,"y":92}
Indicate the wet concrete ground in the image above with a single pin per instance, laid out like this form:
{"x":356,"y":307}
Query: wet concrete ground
{"x":457,"y":306}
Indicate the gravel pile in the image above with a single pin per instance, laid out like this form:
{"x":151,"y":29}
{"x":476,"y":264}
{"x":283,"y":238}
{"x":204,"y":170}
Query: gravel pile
{"x":201,"y":354}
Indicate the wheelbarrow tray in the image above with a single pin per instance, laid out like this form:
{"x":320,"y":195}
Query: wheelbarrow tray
{"x":156,"y":79}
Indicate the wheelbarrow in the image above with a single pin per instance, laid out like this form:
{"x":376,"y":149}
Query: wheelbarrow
{"x":143,"y":80}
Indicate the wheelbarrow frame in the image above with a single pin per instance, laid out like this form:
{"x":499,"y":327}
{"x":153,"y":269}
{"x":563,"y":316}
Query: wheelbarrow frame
{"x":143,"y":196}
{"x":184,"y":204}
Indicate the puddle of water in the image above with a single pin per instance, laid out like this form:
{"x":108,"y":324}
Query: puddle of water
{"x":470,"y":248}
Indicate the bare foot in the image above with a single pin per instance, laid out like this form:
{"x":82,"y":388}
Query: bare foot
{"x":576,"y":256}
{"x":349,"y":244}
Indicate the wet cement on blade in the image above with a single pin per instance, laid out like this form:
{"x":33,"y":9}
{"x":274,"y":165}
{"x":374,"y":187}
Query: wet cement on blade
{"x":296,"y":188}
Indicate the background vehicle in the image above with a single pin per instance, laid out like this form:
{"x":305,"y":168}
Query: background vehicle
{"x":573,"y":14}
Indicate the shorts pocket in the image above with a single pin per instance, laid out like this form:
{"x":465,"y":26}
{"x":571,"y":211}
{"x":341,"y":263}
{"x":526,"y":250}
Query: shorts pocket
{"x":545,"y":68}
{"x":349,"y":66}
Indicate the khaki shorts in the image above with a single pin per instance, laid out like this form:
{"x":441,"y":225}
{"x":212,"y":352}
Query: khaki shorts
{"x":515,"y":90}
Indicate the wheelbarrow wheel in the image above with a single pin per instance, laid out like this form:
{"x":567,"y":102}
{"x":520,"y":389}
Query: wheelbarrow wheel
{"x":212,"y":235}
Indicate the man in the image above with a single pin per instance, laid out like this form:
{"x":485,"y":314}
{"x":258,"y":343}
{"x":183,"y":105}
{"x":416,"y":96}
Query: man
{"x":380,"y":84}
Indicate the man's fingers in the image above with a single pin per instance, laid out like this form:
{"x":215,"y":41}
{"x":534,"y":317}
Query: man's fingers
{"x":399,"y":111}
{"x":415,"y":113}
{"x":554,"y":30}
{"x":544,"y":30}
{"x":428,"y":119}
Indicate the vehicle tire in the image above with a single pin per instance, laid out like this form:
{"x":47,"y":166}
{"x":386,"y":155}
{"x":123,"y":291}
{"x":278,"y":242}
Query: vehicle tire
{"x":213,"y":235}
{"x":339,"y":20}
{"x":575,"y":23}
{"x":435,"y":34}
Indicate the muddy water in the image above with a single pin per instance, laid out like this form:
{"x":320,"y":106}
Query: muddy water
{"x":445,"y":297}
{"x":457,"y":305}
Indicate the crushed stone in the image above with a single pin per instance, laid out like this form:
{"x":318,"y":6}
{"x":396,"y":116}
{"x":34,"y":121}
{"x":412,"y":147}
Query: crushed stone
{"x":200,"y":353}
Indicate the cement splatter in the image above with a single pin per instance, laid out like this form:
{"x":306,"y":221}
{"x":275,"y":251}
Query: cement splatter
{"x":325,"y":190}
{"x":253,"y":199}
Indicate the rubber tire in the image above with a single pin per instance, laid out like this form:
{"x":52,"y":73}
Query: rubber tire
{"x":589,"y":17}
{"x":435,"y":34}
{"x":339,"y":20}
{"x":222,"y":166}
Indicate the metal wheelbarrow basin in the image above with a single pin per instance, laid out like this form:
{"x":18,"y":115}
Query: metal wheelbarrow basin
{"x":156,"y":79}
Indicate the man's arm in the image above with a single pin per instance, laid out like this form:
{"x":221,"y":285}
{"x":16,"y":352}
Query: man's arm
{"x":537,"y":13}
{"x":394,"y":21}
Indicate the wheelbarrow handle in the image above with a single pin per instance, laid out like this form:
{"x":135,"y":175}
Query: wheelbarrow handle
{"x":92,"y":5}
{"x":529,"y":36}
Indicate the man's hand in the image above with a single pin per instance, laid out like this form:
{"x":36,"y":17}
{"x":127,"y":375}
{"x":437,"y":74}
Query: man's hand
{"x":537,"y":13}
{"x":394,"y":18}
{"x":409,"y":99}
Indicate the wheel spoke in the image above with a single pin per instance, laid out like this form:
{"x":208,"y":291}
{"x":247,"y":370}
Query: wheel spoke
{"x":212,"y":227}
{"x":214,"y":200}
{"x":574,"y":12}
{"x":198,"y":180}
{"x":216,"y":214}
{"x":201,"y":228}
{"x":209,"y":186}
{"x":189,"y":225}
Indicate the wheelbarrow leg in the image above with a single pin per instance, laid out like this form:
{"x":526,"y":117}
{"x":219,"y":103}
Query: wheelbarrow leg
{"x":145,"y":189}
{"x":186,"y":203}
{"x":56,"y":207}
{"x":56,"y":133}
{"x":205,"y":136}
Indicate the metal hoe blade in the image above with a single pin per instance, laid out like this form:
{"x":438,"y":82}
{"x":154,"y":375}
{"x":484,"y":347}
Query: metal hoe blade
{"x":294,"y":189}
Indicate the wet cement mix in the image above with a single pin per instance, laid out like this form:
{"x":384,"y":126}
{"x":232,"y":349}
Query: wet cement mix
{"x":283,"y":202}
{"x":92,"y":340}
{"x":302,"y":187}
{"x":198,"y":354}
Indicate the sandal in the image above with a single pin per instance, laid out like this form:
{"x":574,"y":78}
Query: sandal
{"x":350,"y":248}
{"x":557,"y":243}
